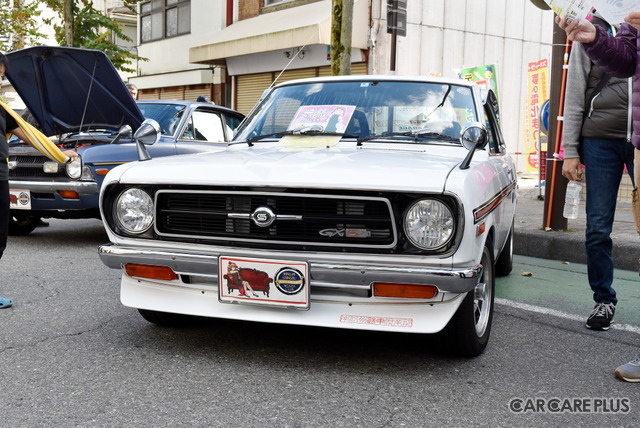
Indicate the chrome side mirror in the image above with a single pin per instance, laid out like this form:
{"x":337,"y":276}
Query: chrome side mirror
{"x":124,"y":131}
{"x":146,"y":135}
{"x":473,"y":137}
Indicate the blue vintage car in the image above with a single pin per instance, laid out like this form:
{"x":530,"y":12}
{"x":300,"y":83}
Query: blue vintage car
{"x":76,"y":96}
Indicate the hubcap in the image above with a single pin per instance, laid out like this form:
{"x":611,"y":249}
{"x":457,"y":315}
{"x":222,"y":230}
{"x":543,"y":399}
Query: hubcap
{"x":482,"y":298}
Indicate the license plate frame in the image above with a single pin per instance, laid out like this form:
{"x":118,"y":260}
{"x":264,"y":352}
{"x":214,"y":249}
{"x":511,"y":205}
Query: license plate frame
{"x":263,"y":282}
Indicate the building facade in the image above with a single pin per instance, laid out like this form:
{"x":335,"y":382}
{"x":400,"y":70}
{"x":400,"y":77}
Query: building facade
{"x":271,"y":41}
{"x":232,"y":50}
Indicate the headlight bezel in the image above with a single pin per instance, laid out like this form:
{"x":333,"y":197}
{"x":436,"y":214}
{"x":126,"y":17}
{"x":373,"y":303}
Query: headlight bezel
{"x":453,"y":217}
{"x":145,"y":207}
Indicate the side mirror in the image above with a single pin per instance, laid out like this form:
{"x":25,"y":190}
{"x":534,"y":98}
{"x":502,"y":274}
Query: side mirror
{"x":473,"y":137}
{"x":147,"y":135}
{"x":124,"y":131}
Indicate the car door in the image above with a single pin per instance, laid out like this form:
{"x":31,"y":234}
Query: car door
{"x":504,"y":169}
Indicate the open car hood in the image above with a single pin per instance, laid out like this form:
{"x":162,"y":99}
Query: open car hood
{"x":71,"y":89}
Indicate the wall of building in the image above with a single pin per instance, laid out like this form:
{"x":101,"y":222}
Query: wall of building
{"x":446,"y":36}
{"x":172,"y":54}
{"x":168,"y":72}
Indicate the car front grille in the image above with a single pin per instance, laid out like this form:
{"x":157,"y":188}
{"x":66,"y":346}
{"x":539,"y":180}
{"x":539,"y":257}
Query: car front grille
{"x":298,"y":219}
{"x":31,"y":167}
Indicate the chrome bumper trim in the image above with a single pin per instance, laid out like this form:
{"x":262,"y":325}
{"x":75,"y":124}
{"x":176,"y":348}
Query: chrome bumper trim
{"x":326,"y":275}
{"x":82,"y":187}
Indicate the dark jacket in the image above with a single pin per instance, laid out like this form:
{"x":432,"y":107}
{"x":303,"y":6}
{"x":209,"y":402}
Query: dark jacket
{"x":7,"y":123}
{"x":618,"y":56}
{"x":606,"y":114}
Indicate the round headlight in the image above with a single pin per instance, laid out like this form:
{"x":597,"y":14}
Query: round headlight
{"x":74,"y":168}
{"x":133,"y":210}
{"x":429,"y":224}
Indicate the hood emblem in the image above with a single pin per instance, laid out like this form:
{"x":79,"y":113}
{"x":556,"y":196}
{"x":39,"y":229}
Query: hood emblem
{"x":263,"y":217}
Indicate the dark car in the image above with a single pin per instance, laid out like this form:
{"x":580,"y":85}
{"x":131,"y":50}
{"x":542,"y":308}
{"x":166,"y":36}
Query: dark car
{"x":77,"y":97}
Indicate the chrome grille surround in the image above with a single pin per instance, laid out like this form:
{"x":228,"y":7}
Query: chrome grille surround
{"x":321,"y":220}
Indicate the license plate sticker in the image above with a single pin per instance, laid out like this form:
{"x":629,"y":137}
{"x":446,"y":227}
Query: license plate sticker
{"x":19,"y":199}
{"x":263,"y":282}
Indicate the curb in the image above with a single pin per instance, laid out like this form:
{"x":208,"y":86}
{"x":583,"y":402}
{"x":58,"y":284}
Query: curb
{"x":569,"y":246}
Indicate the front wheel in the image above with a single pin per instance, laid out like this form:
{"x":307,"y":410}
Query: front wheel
{"x":19,"y":226}
{"x":467,"y":334}
{"x":167,"y":319}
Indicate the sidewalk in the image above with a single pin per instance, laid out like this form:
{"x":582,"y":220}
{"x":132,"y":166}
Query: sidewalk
{"x":531,"y":240}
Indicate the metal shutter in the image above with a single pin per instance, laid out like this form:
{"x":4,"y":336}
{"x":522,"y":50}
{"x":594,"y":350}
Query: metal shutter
{"x":172,"y":93}
{"x":249,"y":88}
{"x":356,"y":69}
{"x":192,"y":92}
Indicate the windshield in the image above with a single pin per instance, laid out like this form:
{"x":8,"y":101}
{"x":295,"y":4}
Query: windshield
{"x":363,"y":109}
{"x":167,"y":115}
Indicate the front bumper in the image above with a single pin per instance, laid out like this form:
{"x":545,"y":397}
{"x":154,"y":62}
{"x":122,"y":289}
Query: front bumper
{"x":340,"y":292}
{"x":323,"y":274}
{"x":81,"y":187}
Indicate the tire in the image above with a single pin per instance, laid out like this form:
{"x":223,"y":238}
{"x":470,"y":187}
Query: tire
{"x":20,"y":226}
{"x":504,"y":263}
{"x":467,"y":334}
{"x":167,"y":319}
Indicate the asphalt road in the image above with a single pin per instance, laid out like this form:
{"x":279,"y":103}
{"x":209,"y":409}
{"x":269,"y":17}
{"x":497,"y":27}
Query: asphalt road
{"x":72,"y":356}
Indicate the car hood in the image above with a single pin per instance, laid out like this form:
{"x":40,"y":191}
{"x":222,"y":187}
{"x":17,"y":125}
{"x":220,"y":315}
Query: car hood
{"x":335,"y":168}
{"x":71,"y":90}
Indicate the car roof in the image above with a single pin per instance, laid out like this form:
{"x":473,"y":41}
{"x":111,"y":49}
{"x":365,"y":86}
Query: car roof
{"x":188,"y":103}
{"x":380,"y":78}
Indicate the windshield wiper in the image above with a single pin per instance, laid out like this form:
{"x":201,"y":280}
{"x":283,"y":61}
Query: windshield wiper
{"x":416,"y":135}
{"x":304,"y":131}
{"x":429,"y":133}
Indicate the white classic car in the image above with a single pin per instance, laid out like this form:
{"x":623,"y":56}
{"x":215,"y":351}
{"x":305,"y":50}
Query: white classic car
{"x":362,"y":202}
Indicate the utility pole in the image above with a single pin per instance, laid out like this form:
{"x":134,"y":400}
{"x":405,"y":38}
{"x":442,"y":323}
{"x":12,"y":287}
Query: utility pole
{"x":341,"y":28}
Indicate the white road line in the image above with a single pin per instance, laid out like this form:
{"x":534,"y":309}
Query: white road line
{"x":560,"y":314}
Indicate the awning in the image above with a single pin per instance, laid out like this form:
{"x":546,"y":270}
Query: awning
{"x":288,"y":28}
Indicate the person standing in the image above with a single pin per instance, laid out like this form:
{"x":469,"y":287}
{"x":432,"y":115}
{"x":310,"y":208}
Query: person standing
{"x":8,"y":125}
{"x":597,"y":133}
{"x":620,"y":57}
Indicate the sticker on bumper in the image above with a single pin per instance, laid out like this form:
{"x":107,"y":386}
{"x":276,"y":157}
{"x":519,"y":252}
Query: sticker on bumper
{"x":19,"y":199}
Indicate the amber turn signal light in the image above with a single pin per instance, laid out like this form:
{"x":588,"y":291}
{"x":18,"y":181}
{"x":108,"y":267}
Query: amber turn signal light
{"x":150,"y":271}
{"x":409,"y":291}
{"x":69,"y":194}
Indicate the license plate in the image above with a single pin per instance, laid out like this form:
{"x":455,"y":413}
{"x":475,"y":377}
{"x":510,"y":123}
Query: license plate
{"x":19,"y":199}
{"x":263,"y":282}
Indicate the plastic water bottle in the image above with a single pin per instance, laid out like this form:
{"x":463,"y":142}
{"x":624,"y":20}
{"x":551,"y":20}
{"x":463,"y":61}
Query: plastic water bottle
{"x":572,"y":200}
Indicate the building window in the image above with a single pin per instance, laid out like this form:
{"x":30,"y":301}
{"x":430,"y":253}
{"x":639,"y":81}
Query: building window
{"x":271,"y":2}
{"x":160,"y":19}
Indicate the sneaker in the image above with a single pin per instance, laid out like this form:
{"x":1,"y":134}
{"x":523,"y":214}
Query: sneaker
{"x":601,"y":316}
{"x":630,"y":371}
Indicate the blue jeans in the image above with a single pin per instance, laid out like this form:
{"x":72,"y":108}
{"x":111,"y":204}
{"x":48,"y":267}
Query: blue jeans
{"x":604,"y":160}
